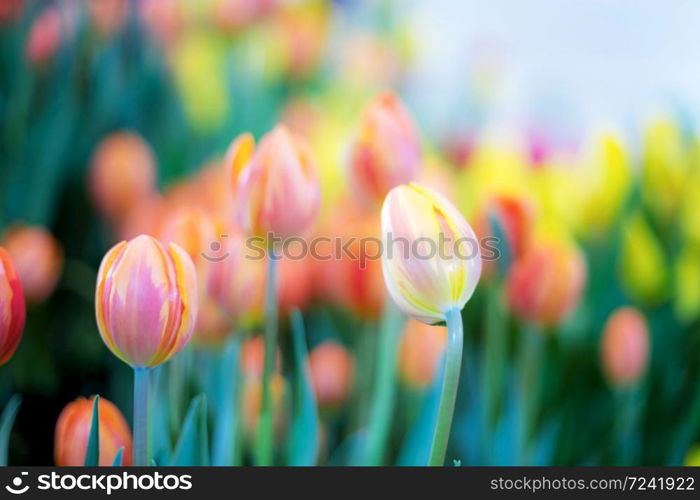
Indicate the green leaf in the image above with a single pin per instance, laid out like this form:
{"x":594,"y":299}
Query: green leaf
{"x":92,"y":454}
{"x":226,"y":439}
{"x":303,"y":437}
{"x":6,"y":421}
{"x":192,"y":446}
{"x":118,"y":457}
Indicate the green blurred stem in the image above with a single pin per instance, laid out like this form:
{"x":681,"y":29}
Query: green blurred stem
{"x":532,"y":350}
{"x":384,"y":395}
{"x":265,"y":437}
{"x":141,"y":415}
{"x":450,"y":382}
{"x":495,"y":356}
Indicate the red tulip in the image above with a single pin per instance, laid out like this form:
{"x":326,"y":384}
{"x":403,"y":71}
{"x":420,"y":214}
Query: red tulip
{"x":12,"y":308}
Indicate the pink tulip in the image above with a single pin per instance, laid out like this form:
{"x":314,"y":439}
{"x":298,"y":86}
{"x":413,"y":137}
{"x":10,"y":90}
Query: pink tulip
{"x":12,"y":309}
{"x":625,"y":346}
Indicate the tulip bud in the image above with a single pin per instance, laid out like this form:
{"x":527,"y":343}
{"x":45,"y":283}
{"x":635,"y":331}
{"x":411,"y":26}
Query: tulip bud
{"x":331,"y":368}
{"x":252,"y":401}
{"x":278,"y":187}
{"x":10,"y":10}
{"x":625,"y":346}
{"x":545,"y":285}
{"x":431,"y":261}
{"x":294,"y":287}
{"x":213,"y":324}
{"x":123,"y":173}
{"x":386,"y":152}
{"x":420,"y":353}
{"x":38,"y":258}
{"x":109,"y":16}
{"x":44,"y":36}
{"x":237,"y":281}
{"x":253,"y":356}
{"x":146,"y":301}
{"x":73,"y":432}
{"x":12,"y":309}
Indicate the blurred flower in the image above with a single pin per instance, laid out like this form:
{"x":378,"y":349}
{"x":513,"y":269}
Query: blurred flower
{"x":237,"y":282}
{"x":146,"y":301}
{"x":44,"y":37}
{"x":144,"y":216}
{"x":164,"y":20}
{"x":510,"y":218}
{"x":10,"y":10}
{"x":546,"y":283}
{"x":295,"y":285}
{"x":253,"y":357}
{"x":642,"y":266}
{"x":370,"y":61}
{"x":233,"y":15}
{"x":123,"y":173}
{"x":252,"y":401}
{"x":665,"y":168}
{"x":331,"y":367}
{"x":687,"y":283}
{"x":420,"y":353}
{"x":73,"y":432}
{"x":301,"y":117}
{"x":278,"y":188}
{"x":38,"y":258}
{"x":605,"y":182}
{"x":625,"y":346}
{"x":12,"y":308}
{"x":386,"y":151}
{"x":193,"y":231}
{"x":198,"y":62}
{"x":109,"y":16}
{"x":213,"y":324}
{"x":431,"y":260}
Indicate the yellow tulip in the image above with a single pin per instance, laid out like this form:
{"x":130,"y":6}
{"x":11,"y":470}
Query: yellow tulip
{"x":642,"y":264}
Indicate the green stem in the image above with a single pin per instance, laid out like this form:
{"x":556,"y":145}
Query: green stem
{"x":382,"y":405}
{"x":448,"y":395}
{"x":141,"y":415}
{"x":265,"y":441}
{"x":532,"y":352}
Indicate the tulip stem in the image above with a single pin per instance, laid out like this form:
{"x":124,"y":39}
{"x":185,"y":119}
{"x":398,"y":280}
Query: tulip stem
{"x":265,"y":434}
{"x":141,"y":416}
{"x":450,"y":382}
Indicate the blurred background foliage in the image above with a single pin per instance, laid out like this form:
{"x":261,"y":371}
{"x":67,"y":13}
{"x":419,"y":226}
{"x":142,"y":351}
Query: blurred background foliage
{"x":190,"y":76}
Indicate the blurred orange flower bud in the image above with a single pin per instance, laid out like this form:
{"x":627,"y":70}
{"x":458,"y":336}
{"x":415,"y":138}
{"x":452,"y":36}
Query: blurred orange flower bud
{"x":108,"y":15}
{"x":73,"y":432}
{"x":252,"y":401}
{"x":278,"y":188}
{"x":386,"y":152}
{"x":420,"y":353}
{"x":515,"y":219}
{"x":546,"y":283}
{"x":295,"y":285}
{"x":12,"y":308}
{"x":38,"y":258}
{"x":213,"y":324}
{"x":146,"y":301}
{"x":625,"y":346}
{"x":163,"y":19}
{"x":44,"y":36}
{"x":237,"y":279}
{"x":332,"y":369}
{"x":253,"y":357}
{"x":145,"y":216}
{"x":122,"y":174}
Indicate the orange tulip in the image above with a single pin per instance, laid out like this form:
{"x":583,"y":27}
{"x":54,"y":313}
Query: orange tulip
{"x":109,"y":16}
{"x":73,"y":432}
{"x":146,"y":301}
{"x":420,"y":353}
{"x":278,"y":189}
{"x":295,"y":285}
{"x":122,"y":174}
{"x":12,"y":308}
{"x":332,"y":368}
{"x":625,"y":346}
{"x":38,"y":258}
{"x":252,"y":401}
{"x":545,"y":285}
{"x":213,"y":324}
{"x":253,"y":355}
{"x":386,"y":152}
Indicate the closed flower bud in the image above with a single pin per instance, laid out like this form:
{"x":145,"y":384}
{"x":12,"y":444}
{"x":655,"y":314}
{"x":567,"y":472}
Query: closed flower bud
{"x":73,"y":432}
{"x":386,"y":152}
{"x":545,"y":285}
{"x":122,"y":174}
{"x":12,"y":308}
{"x":253,"y":357}
{"x":38,"y":258}
{"x":146,"y":301}
{"x":331,"y":368}
{"x":431,"y":261}
{"x":252,"y":401}
{"x":278,"y":189}
{"x":625,"y":346}
{"x":44,"y":36}
{"x":420,"y":353}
